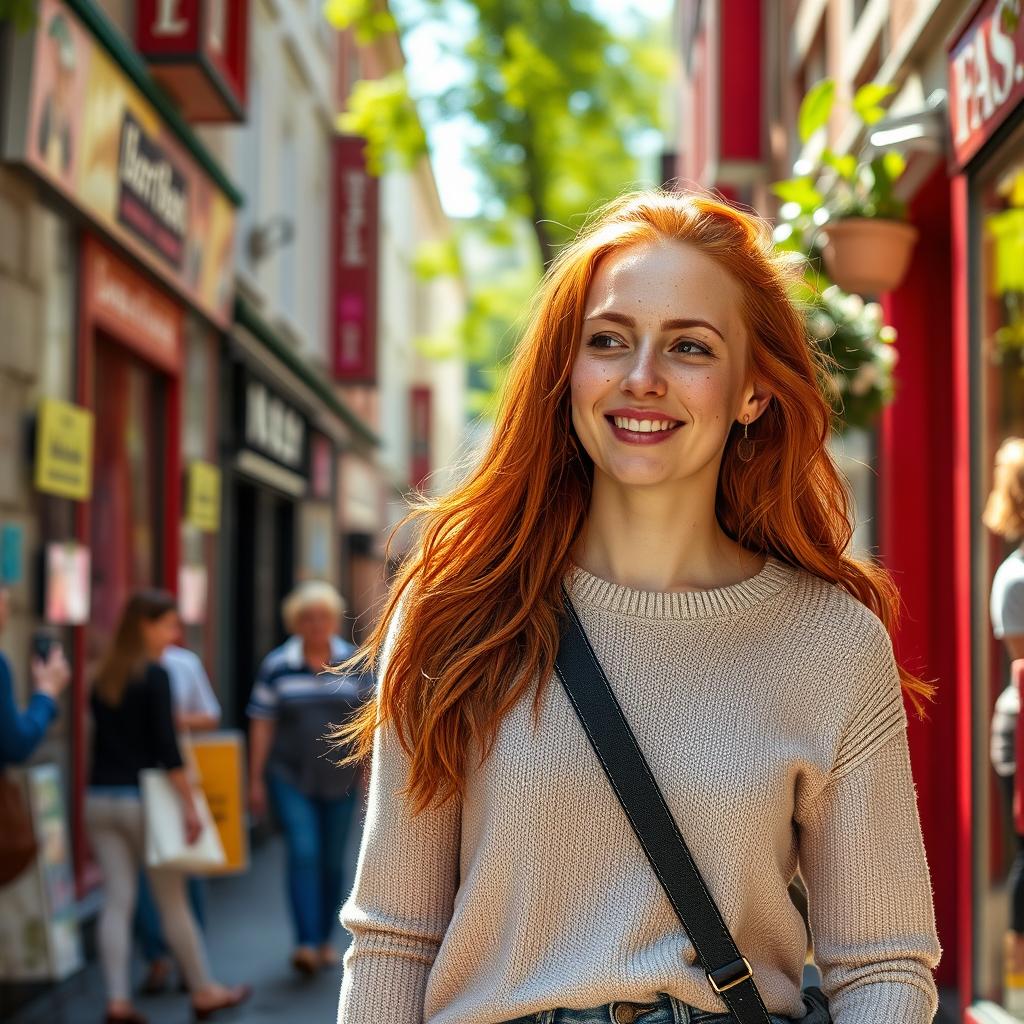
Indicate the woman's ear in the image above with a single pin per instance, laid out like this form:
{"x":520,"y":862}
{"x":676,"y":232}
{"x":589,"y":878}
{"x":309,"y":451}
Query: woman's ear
{"x":755,"y":402}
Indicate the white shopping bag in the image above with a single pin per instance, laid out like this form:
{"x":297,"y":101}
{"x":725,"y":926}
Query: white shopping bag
{"x":165,"y":827}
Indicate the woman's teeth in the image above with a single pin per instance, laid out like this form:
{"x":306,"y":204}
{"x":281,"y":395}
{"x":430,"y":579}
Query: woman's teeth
{"x":644,"y":426}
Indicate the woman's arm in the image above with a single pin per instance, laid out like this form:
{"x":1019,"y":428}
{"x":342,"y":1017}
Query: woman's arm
{"x":862,"y":857}
{"x":21,"y":733}
{"x":404,"y":893}
{"x":402,"y":900}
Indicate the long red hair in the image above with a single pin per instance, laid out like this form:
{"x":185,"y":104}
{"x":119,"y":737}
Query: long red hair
{"x":481,"y":595}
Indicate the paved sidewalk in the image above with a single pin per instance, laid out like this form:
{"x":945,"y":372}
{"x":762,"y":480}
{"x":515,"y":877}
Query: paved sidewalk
{"x":249,"y":939}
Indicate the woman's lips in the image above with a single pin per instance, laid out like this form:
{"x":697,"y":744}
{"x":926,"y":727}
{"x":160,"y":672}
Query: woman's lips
{"x":641,"y":437}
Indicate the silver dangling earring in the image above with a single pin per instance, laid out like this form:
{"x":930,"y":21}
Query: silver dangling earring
{"x":745,"y":448}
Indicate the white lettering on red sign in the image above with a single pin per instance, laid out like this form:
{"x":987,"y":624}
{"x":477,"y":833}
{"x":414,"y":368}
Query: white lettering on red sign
{"x":217,"y":25}
{"x":168,"y":21}
{"x":985,"y":70}
{"x":354,"y":224}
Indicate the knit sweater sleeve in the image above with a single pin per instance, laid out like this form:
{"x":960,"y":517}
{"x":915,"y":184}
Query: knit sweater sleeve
{"x":863,"y":860}
{"x":403,"y":896}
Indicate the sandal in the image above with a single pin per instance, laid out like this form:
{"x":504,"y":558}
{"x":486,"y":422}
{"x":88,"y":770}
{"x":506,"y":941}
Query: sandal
{"x":131,"y":1017}
{"x":306,"y":961}
{"x":235,"y":996}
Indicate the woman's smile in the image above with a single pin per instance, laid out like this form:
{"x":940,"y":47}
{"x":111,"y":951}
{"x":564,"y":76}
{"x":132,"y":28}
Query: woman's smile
{"x":642,"y":426}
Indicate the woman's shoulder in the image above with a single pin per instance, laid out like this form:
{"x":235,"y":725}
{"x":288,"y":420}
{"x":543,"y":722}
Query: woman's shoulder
{"x":833,"y":617}
{"x":154,"y":676}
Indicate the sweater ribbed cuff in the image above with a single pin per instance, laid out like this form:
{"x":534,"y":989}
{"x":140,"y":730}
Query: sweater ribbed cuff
{"x":884,"y":1002}
{"x":390,"y":988}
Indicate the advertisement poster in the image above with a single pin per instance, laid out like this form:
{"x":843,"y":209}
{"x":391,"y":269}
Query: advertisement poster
{"x":67,"y":584}
{"x":192,"y":590}
{"x":64,"y":436}
{"x":86,"y":129}
{"x":39,"y":937}
{"x":219,"y":758}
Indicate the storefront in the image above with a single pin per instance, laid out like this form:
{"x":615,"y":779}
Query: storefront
{"x":148,"y":219}
{"x":266,"y":484}
{"x":986,"y":104}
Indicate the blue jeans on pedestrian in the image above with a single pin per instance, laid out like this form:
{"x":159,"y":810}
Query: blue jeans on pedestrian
{"x":316,"y":835}
{"x":667,"y":1010}
{"x":148,"y":929}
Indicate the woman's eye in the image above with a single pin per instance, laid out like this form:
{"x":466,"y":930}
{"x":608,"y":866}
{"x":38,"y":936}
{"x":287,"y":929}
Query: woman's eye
{"x":688,"y":347}
{"x":604,"y":341}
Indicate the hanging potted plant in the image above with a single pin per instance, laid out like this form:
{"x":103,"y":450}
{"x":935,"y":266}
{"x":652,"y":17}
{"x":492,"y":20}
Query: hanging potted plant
{"x":867,"y":242}
{"x":859,"y":347}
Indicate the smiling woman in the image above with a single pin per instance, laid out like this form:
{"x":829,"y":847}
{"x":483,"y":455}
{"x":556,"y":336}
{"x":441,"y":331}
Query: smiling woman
{"x":660,"y":461}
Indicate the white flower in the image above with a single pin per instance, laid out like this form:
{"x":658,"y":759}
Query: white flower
{"x":864,"y":379}
{"x":852,"y":306}
{"x":873,"y":314}
{"x":831,"y":293}
{"x":886,"y":355}
{"x":822,"y":325}
{"x":887,"y":335}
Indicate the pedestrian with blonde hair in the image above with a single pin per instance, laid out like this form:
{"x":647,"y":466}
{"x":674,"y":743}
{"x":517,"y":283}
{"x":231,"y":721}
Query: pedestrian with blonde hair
{"x":1004,"y":516}
{"x":658,"y":503}
{"x":294,"y":703}
{"x":134,"y":730}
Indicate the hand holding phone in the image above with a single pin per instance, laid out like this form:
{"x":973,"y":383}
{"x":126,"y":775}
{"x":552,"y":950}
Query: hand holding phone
{"x":51,"y":672}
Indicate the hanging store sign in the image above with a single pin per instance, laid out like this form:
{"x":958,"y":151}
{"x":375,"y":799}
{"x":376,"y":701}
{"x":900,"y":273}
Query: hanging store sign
{"x":202,"y":509}
{"x":126,"y":303}
{"x":80,"y":123}
{"x":64,"y":435}
{"x":197,"y":50}
{"x":986,"y":75}
{"x":419,"y":435}
{"x":354,"y":243}
{"x":271,"y":427}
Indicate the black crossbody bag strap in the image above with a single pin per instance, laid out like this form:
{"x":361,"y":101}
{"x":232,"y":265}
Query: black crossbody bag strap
{"x":630,"y":775}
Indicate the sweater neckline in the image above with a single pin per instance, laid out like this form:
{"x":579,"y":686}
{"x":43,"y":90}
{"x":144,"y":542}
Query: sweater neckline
{"x":681,"y":604}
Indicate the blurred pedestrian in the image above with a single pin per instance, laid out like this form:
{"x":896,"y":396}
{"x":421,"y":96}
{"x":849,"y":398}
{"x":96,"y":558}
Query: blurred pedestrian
{"x":1004,"y":516}
{"x":22,"y":731}
{"x":294,"y":702}
{"x":659,"y":479}
{"x":196,"y":709}
{"x":134,"y":729}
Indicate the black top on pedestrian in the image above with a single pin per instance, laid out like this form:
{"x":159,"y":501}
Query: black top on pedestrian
{"x":136,"y":733}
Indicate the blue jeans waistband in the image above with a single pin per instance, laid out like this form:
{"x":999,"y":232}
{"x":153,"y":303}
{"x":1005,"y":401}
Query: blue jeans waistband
{"x":667,"y":1010}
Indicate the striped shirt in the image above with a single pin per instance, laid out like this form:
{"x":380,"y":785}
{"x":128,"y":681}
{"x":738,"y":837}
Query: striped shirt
{"x":304,"y":703}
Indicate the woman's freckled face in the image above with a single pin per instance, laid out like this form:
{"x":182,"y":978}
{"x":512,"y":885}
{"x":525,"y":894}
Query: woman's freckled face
{"x":662,"y":335}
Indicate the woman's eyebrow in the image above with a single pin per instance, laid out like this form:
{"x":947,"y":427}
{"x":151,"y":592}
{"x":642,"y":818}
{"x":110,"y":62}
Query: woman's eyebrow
{"x":666,"y":325}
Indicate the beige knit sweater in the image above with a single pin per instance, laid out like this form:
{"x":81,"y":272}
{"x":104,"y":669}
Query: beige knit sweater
{"x":771,"y":714}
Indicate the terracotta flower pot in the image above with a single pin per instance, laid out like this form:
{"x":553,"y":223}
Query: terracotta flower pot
{"x":867,"y":255}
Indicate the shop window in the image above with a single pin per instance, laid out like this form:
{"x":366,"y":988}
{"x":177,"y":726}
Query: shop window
{"x":999,"y":287}
{"x":126,"y":514}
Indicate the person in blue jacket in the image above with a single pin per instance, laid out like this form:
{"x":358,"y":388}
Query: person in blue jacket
{"x":22,"y":731}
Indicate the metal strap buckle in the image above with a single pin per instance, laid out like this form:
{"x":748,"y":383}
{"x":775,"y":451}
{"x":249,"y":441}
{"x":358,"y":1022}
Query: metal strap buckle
{"x":730,"y":975}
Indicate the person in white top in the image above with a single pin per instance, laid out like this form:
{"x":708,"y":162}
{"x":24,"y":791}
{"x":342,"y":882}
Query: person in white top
{"x":1004,"y":516}
{"x":196,"y":709}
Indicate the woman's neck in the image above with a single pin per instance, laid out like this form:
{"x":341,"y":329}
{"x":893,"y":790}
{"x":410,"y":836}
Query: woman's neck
{"x":657,"y":540}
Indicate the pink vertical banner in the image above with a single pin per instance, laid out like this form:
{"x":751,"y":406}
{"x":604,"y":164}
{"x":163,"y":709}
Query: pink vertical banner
{"x":354,"y":245}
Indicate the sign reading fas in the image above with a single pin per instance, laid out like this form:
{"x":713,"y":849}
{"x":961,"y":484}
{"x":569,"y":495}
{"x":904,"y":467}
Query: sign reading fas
{"x":986,"y":75}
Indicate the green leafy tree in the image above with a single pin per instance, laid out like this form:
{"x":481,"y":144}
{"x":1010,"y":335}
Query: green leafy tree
{"x":562,"y":102}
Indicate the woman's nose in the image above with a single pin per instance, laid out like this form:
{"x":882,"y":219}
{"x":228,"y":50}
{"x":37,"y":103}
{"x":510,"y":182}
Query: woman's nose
{"x":644,"y":376}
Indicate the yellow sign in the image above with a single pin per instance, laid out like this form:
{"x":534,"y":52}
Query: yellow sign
{"x":218,"y":759}
{"x":203,"y":497}
{"x":64,"y":449}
